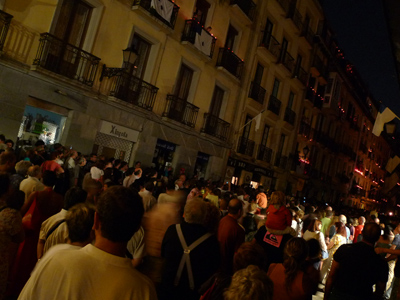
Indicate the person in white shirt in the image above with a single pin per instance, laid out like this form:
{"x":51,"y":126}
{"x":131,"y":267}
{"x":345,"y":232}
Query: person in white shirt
{"x":101,"y":270}
{"x":32,"y":183}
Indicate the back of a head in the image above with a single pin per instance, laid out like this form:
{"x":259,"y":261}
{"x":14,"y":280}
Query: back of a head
{"x":361,"y":220}
{"x":371,"y":232}
{"x":234,"y":206}
{"x":22,"y":167}
{"x":171,"y":185}
{"x":49,"y":178}
{"x":249,"y":254}
{"x":277,"y":198}
{"x":80,"y":219}
{"x":341,"y":229}
{"x":329,"y":213}
{"x":149,"y":186}
{"x":314,"y":248}
{"x":343,"y":219}
{"x":120,"y":211}
{"x":74,"y":196}
{"x":7,"y":157}
{"x":250,"y":283}
{"x":195,"y":211}
{"x":295,"y":254}
{"x":34,"y":171}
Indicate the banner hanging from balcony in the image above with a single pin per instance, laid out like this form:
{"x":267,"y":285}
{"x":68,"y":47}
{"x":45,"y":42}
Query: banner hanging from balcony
{"x":164,"y":8}
{"x":203,"y":42}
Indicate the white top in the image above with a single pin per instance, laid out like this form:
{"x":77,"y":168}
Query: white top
{"x":319,"y":236}
{"x":87,"y":273}
{"x":136,"y":244}
{"x":148,"y":200}
{"x":30,"y":185}
{"x":96,"y":173}
{"x":71,"y":163}
{"x":59,"y":235}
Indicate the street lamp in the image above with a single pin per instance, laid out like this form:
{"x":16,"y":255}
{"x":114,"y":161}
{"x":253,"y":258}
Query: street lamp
{"x":129,"y":57}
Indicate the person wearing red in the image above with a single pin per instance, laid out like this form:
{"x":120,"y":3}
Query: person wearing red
{"x":278,"y":216}
{"x":359,"y":228}
{"x":230,"y":235}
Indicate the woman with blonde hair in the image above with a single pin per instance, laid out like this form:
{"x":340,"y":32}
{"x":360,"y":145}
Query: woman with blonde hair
{"x":291,"y":280}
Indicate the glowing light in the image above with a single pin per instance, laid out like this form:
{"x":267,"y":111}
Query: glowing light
{"x":359,"y":171}
{"x":306,"y":161}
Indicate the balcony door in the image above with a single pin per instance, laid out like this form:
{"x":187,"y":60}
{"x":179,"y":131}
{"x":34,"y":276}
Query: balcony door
{"x":181,"y":93}
{"x":231,"y":37}
{"x":267,"y":33}
{"x":215,"y":110}
{"x":284,"y":47}
{"x":201,"y":11}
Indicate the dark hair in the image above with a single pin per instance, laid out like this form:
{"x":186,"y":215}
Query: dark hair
{"x":313,"y":225}
{"x":80,"y":219}
{"x":2,"y":137}
{"x":120,"y":211}
{"x":295,"y":253}
{"x":49,"y":178}
{"x":74,"y":196}
{"x":121,"y":164}
{"x":171,"y":185}
{"x":249,"y":254}
{"x":10,"y":141}
{"x":149,"y":185}
{"x":371,"y":232}
{"x":4,"y":184}
{"x":234,"y":206}
{"x":7,"y":157}
{"x":39,"y":143}
{"x":329,"y":213}
{"x":314,"y":248}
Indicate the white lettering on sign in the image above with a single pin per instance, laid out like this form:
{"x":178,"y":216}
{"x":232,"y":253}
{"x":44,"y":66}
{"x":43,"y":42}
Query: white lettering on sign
{"x":119,"y":131}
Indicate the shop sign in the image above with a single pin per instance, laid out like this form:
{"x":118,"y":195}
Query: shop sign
{"x":165,"y":145}
{"x":119,"y":131}
{"x":202,"y":156}
{"x":249,"y":167}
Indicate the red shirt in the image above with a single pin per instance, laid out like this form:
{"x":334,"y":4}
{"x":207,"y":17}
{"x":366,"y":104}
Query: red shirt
{"x":357,"y":230}
{"x":278,"y":219}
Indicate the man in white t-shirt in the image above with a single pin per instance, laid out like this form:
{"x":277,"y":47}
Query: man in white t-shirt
{"x":98,"y":271}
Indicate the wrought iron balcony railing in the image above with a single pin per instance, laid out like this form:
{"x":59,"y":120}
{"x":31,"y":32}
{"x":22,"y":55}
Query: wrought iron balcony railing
{"x":134,"y":90}
{"x":308,"y":34}
{"x":199,"y":37}
{"x":215,"y":126}
{"x":264,"y":153}
{"x":257,"y":92}
{"x":288,"y":61}
{"x":289,"y":6}
{"x":5,"y":21}
{"x":306,"y":130}
{"x":312,"y":96}
{"x":363,"y":148}
{"x":300,"y":74}
{"x":271,"y":43}
{"x":247,"y":6}
{"x":158,"y":11}
{"x":281,"y":161}
{"x":230,"y":61}
{"x":65,"y":59}
{"x":246,"y":146}
{"x":274,"y":105}
{"x":290,"y":116}
{"x":181,"y":111}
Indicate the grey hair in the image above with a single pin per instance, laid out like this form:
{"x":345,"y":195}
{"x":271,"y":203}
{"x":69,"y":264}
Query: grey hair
{"x":343,"y":219}
{"x":195,"y":211}
{"x":22,"y":167}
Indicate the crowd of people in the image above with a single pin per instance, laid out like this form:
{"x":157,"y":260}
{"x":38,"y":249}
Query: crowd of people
{"x":91,"y":227}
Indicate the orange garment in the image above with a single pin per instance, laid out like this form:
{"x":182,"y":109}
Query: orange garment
{"x":278,"y":219}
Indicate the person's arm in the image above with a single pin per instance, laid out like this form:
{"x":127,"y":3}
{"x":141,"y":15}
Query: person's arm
{"x":385,"y":250}
{"x":59,"y":170}
{"x":28,"y":203}
{"x":331,"y":244}
{"x":40,"y":247}
{"x":321,"y":240}
{"x":331,"y":279}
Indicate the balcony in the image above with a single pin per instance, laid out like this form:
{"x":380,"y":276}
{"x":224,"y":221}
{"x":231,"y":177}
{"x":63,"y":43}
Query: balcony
{"x":65,"y":59}
{"x":5,"y":21}
{"x":247,"y":6}
{"x":274,"y":105}
{"x":288,"y":61}
{"x":290,"y":116}
{"x":196,"y":34}
{"x":300,"y":74}
{"x":215,"y":126}
{"x":230,"y":62}
{"x":257,"y":92}
{"x":319,"y":70}
{"x":291,"y":12}
{"x":246,"y":146}
{"x":271,"y":44}
{"x":160,"y":12}
{"x":306,"y":130}
{"x":363,"y":148}
{"x":315,"y":99}
{"x":134,"y":90}
{"x":264,"y":154}
{"x":281,"y":161}
{"x":181,"y":111}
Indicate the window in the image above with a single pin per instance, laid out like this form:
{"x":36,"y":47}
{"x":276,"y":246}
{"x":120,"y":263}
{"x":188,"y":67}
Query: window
{"x":267,"y":33}
{"x":284,"y":47}
{"x":290,"y":100}
{"x":246,"y":129}
{"x":281,"y":144}
{"x":201,"y":11}
{"x":231,"y":37}
{"x":183,"y":82}
{"x":73,"y":22}
{"x":259,"y":74}
{"x":264,"y":138}
{"x":216,"y":103}
{"x":275,"y":89}
{"x":298,"y":65}
{"x":142,"y":49}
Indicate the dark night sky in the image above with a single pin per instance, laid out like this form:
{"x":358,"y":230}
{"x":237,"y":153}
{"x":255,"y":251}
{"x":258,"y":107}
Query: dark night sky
{"x":362,"y":34}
